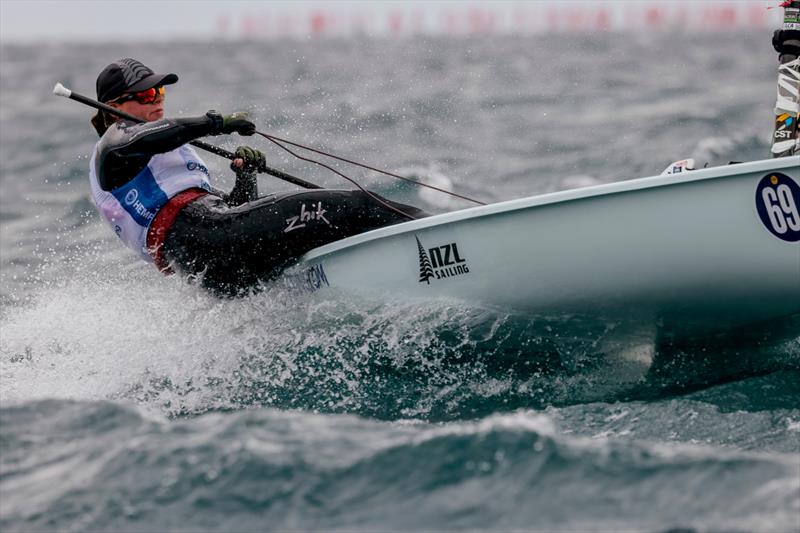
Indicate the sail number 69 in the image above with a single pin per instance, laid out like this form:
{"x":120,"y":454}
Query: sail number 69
{"x":778,"y":205}
{"x":781,"y":208}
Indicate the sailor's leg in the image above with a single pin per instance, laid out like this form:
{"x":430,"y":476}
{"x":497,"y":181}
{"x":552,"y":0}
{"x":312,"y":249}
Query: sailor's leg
{"x":282,"y":228}
{"x":236,"y":247}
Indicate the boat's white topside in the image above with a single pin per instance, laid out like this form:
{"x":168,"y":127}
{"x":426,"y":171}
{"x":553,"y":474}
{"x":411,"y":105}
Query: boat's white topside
{"x":711,"y":173}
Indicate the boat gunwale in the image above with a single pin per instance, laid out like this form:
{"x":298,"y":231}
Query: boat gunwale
{"x":595,"y":191}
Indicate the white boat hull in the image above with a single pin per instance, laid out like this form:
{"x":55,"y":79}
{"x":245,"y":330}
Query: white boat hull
{"x":703,"y":249}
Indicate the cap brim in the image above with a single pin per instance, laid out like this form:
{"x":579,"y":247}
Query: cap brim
{"x":153,"y":80}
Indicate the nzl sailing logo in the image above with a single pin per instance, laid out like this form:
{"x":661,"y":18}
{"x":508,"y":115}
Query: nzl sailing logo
{"x":299,"y":221}
{"x":440,"y":262}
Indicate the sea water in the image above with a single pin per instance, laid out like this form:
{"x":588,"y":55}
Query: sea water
{"x":130,"y":401}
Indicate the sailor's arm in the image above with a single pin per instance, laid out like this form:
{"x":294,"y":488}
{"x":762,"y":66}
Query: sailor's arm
{"x":126,"y":147}
{"x":246,"y":164}
{"x":125,"y":139}
{"x":150,"y":138}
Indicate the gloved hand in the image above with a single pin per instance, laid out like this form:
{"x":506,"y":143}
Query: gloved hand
{"x":248,"y":160}
{"x":235,"y":122}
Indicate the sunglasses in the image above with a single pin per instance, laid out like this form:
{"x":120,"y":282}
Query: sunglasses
{"x":148,"y":96}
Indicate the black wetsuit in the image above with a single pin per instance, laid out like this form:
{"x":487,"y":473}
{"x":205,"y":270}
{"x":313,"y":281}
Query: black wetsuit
{"x":235,"y":241}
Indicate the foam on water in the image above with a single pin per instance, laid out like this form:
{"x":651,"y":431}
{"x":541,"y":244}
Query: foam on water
{"x":93,"y":336}
{"x":105,"y":338}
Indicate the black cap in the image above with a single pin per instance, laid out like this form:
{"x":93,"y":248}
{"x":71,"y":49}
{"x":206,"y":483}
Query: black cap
{"x":128,"y":76}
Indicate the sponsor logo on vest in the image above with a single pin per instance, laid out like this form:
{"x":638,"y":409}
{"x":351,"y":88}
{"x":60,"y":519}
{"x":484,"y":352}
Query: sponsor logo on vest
{"x":299,"y":221}
{"x":194,"y":165}
{"x":132,"y":196}
{"x":307,"y":280}
{"x":132,"y":199}
{"x":440,"y":262}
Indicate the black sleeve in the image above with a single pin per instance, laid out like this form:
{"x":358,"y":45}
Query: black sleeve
{"x":245,"y":190}
{"x":126,"y":148}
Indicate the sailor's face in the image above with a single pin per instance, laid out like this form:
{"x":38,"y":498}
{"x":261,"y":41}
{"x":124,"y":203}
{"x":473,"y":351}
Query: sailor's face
{"x":146,"y":112}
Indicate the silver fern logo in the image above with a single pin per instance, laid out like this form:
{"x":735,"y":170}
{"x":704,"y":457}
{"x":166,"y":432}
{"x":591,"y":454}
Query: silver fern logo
{"x":425,"y":268}
{"x":440,"y":262}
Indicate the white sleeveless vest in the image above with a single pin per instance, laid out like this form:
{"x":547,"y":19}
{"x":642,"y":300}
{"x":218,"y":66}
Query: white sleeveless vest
{"x":131,"y":208}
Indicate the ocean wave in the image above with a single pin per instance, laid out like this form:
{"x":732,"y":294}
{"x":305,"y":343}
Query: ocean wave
{"x":122,"y":470}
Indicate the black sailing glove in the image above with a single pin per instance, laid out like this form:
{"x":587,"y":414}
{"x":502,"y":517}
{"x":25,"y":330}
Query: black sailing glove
{"x":236,"y":122}
{"x":246,"y":188}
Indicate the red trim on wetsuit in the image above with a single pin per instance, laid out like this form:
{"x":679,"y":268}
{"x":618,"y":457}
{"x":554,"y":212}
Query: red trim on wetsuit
{"x":157,"y":231}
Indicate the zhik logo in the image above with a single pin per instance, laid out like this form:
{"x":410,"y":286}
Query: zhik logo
{"x":299,"y":221}
{"x":440,"y":262}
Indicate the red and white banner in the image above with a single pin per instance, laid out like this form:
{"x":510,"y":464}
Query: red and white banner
{"x":388,"y":19}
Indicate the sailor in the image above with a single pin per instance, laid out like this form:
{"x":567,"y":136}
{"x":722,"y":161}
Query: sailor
{"x":155,"y":192}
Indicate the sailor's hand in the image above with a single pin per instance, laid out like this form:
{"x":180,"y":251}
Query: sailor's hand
{"x":248,"y":160}
{"x":235,"y":123}
{"x":239,"y":123}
